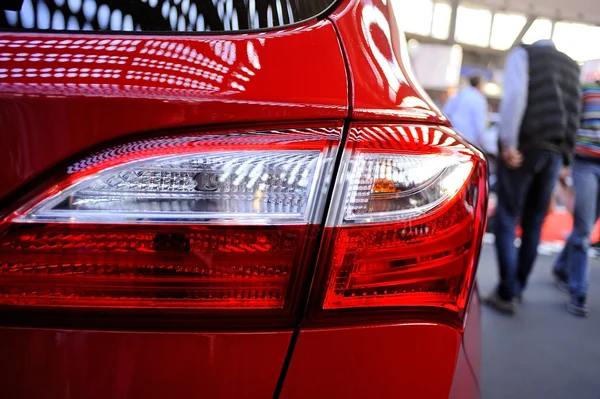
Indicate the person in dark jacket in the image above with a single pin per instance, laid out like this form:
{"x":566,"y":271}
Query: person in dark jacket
{"x":539,"y":118}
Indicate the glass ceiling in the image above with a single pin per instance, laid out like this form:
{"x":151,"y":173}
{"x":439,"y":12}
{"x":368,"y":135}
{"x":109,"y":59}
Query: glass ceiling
{"x":481,"y":27}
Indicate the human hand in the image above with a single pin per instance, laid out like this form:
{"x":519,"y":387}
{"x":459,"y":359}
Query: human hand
{"x":564,"y":178}
{"x":512,"y":157}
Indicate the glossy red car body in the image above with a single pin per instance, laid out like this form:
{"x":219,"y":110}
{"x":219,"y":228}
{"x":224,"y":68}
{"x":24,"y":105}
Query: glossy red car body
{"x":349,"y":66}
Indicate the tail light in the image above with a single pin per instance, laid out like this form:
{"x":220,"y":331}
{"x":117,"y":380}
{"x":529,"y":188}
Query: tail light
{"x":404,"y":229}
{"x":222,"y":224}
{"x":225,"y":227}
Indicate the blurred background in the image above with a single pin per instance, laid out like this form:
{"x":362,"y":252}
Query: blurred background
{"x":450,"y":41}
{"x":542,"y":352}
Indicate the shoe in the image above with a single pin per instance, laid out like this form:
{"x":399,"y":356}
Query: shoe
{"x":499,"y":304}
{"x":561,"y":281}
{"x":518,"y":299}
{"x":578,"y":306}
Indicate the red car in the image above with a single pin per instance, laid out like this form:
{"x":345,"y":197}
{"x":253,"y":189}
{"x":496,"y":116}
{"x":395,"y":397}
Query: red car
{"x":230,"y":199}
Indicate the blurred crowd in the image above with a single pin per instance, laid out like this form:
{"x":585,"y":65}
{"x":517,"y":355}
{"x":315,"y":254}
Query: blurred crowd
{"x":547,"y":136}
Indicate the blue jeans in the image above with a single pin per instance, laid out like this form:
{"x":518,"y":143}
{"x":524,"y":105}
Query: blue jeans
{"x":573,"y":260}
{"x":523,"y":193}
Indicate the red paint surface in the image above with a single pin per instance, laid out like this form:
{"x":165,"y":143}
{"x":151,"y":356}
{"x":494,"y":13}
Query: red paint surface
{"x":472,"y":335}
{"x":382,"y":82}
{"x":403,"y":361}
{"x":55,"y":364}
{"x":58,"y":97}
{"x":464,"y":385}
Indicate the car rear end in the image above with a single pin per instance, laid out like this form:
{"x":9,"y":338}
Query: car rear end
{"x":230,"y":199}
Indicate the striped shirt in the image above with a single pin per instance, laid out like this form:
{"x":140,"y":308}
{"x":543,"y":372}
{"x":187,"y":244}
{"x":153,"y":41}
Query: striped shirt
{"x":588,"y":138}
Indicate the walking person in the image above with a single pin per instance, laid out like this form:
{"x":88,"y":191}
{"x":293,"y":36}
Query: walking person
{"x":468,"y":112}
{"x":571,"y":267}
{"x":539,"y":118}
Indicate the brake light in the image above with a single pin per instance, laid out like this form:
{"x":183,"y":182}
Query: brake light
{"x":204,"y":222}
{"x":404,"y":228}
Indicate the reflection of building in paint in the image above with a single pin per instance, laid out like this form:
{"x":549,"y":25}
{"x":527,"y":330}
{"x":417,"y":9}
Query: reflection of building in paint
{"x":181,"y":69}
{"x":413,"y":138}
{"x":160,"y":15}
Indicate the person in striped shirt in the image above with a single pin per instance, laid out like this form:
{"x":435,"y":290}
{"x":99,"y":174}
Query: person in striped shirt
{"x":571,"y":267}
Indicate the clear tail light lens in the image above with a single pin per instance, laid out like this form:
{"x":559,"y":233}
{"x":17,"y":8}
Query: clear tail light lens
{"x":220,"y":221}
{"x":264,"y":187}
{"x":405,"y":226}
{"x":388,"y":187}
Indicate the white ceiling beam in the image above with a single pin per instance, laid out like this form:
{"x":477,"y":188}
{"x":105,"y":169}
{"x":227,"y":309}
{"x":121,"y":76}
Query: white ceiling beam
{"x":452,"y":29}
{"x":530,"y":20}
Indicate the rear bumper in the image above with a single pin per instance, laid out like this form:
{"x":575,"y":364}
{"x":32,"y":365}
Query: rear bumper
{"x":39,"y":363}
{"x":408,"y":360}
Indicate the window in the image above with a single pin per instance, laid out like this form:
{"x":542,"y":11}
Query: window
{"x":158,"y":15}
{"x":505,"y":29}
{"x":541,"y":29}
{"x":416,"y":16}
{"x":442,"y":13}
{"x":473,"y":26}
{"x":577,"y":40}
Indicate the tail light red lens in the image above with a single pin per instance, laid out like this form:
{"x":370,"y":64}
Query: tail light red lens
{"x":404,"y":229}
{"x":208,"y":221}
{"x":197,"y":267}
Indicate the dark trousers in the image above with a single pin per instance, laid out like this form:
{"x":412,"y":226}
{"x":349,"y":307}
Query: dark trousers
{"x":523,"y":193}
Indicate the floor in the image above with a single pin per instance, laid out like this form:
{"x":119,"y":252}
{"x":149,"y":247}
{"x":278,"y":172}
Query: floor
{"x":542,"y":351}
